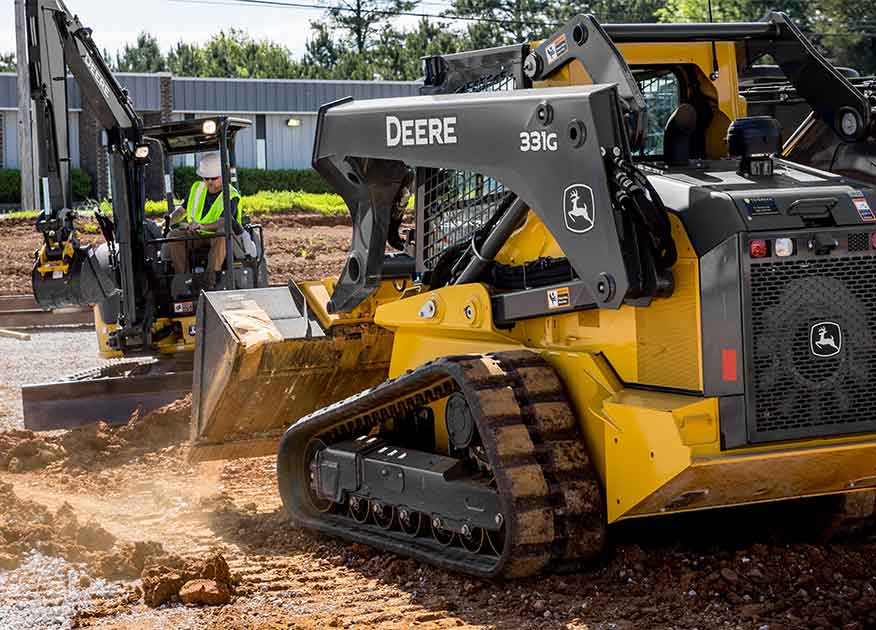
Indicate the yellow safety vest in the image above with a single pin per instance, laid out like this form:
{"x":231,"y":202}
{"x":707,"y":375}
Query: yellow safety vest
{"x":197,"y":201}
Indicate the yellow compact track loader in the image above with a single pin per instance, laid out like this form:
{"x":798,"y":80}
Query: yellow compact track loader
{"x":589,"y":323}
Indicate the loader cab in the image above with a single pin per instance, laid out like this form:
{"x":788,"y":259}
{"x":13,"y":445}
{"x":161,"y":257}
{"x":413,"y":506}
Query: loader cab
{"x":245,"y":266}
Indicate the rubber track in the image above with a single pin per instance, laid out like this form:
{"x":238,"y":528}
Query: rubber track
{"x":549,"y":493}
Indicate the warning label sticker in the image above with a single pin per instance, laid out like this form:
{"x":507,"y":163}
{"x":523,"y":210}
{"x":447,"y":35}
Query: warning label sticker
{"x":556,"y":49}
{"x":863,"y":208}
{"x":558,"y":298}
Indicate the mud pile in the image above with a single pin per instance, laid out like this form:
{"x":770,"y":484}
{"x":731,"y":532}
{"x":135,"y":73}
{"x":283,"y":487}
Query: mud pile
{"x":99,"y":445}
{"x":22,"y":451}
{"x":206,"y":581}
{"x":26,"y":525}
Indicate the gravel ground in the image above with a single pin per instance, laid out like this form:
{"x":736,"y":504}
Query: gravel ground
{"x":45,"y":592}
{"x":48,"y":355}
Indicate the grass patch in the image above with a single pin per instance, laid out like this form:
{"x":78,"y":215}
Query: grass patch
{"x":19,"y":214}
{"x":266,"y":202}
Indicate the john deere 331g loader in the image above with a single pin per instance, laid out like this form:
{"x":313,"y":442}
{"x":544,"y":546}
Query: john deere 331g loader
{"x":580,"y":331}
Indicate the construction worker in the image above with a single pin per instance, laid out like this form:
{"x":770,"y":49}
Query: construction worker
{"x":202,"y":214}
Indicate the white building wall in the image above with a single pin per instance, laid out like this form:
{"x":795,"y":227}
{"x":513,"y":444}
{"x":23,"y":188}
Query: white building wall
{"x":245,"y":149}
{"x":74,"y":139}
{"x":10,"y":139}
{"x":9,"y":120}
{"x":289,"y":147}
{"x":246,"y":143}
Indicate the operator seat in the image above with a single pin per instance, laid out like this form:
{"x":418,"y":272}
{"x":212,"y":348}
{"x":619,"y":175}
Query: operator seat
{"x":678,"y":134}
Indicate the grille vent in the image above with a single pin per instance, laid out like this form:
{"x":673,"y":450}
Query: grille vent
{"x":798,"y":389}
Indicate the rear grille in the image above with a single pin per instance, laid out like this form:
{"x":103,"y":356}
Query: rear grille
{"x":811,"y":352}
{"x":457,"y":203}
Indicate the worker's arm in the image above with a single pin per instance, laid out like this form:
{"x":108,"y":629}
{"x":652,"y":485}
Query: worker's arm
{"x":219,"y":224}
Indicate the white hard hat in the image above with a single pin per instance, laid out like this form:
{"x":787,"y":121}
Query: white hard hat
{"x":209,"y":166}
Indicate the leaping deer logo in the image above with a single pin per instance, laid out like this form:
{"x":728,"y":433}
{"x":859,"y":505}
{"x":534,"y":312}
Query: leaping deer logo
{"x":578,"y":207}
{"x":825,"y":339}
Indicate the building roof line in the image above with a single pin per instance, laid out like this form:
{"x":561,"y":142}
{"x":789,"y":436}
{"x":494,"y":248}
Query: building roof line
{"x":242,"y":79}
{"x":333,"y":81}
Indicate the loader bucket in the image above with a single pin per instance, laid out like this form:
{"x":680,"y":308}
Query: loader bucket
{"x":263,"y":360}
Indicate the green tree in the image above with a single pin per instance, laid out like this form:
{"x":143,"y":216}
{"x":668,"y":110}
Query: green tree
{"x":7,"y":62}
{"x":503,"y":21}
{"x":733,"y":10}
{"x":185,"y":60}
{"x":845,"y":31}
{"x":607,"y":11}
{"x":322,"y":52}
{"x":397,"y":55}
{"x":364,"y":20}
{"x":144,"y":56}
{"x":238,"y":54}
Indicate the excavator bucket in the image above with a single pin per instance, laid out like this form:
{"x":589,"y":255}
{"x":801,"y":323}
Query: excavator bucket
{"x":264,"y":358}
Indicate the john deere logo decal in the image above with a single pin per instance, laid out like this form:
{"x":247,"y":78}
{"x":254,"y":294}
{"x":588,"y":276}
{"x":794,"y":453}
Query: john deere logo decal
{"x":825,"y":339}
{"x":578,"y":208}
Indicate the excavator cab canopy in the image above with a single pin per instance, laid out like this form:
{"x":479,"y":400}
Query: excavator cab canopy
{"x":196,"y":135}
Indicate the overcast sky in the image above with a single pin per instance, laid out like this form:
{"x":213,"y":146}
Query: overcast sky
{"x":116,"y":22}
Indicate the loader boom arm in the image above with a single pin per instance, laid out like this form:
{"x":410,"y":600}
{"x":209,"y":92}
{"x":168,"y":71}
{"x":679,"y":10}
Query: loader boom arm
{"x":836,"y":101}
{"x":585,"y":40}
{"x":553,"y":144}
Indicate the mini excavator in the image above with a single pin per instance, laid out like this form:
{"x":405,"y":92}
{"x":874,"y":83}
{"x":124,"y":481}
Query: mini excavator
{"x":144,"y":310}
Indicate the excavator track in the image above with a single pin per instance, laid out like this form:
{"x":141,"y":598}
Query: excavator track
{"x":552,"y":513}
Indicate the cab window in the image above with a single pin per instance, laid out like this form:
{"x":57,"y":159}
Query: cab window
{"x":662,"y":95}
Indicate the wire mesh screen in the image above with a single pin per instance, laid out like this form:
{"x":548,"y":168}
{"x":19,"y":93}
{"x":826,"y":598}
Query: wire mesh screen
{"x":455,"y":204}
{"x":662,"y":97}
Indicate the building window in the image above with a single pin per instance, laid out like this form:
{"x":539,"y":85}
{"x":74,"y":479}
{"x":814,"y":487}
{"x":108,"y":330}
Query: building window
{"x":261,"y":142}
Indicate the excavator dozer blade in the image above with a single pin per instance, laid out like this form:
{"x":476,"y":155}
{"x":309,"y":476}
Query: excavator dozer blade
{"x":263,"y":360}
{"x":111,"y":394}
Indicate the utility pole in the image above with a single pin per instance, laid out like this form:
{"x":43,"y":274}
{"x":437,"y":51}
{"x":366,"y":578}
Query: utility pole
{"x":29,"y":172}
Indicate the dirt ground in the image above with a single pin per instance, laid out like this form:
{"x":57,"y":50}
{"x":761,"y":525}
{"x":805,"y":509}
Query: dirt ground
{"x":124,"y":506}
{"x":300,"y":246}
{"x":140,"y":504}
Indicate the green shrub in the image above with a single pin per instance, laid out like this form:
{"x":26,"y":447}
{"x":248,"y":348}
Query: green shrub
{"x":80,"y":181}
{"x":269,"y":202}
{"x":254,"y":180}
{"x":10,"y":185}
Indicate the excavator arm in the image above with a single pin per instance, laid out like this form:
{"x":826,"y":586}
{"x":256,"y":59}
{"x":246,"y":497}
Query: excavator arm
{"x":65,"y":273}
